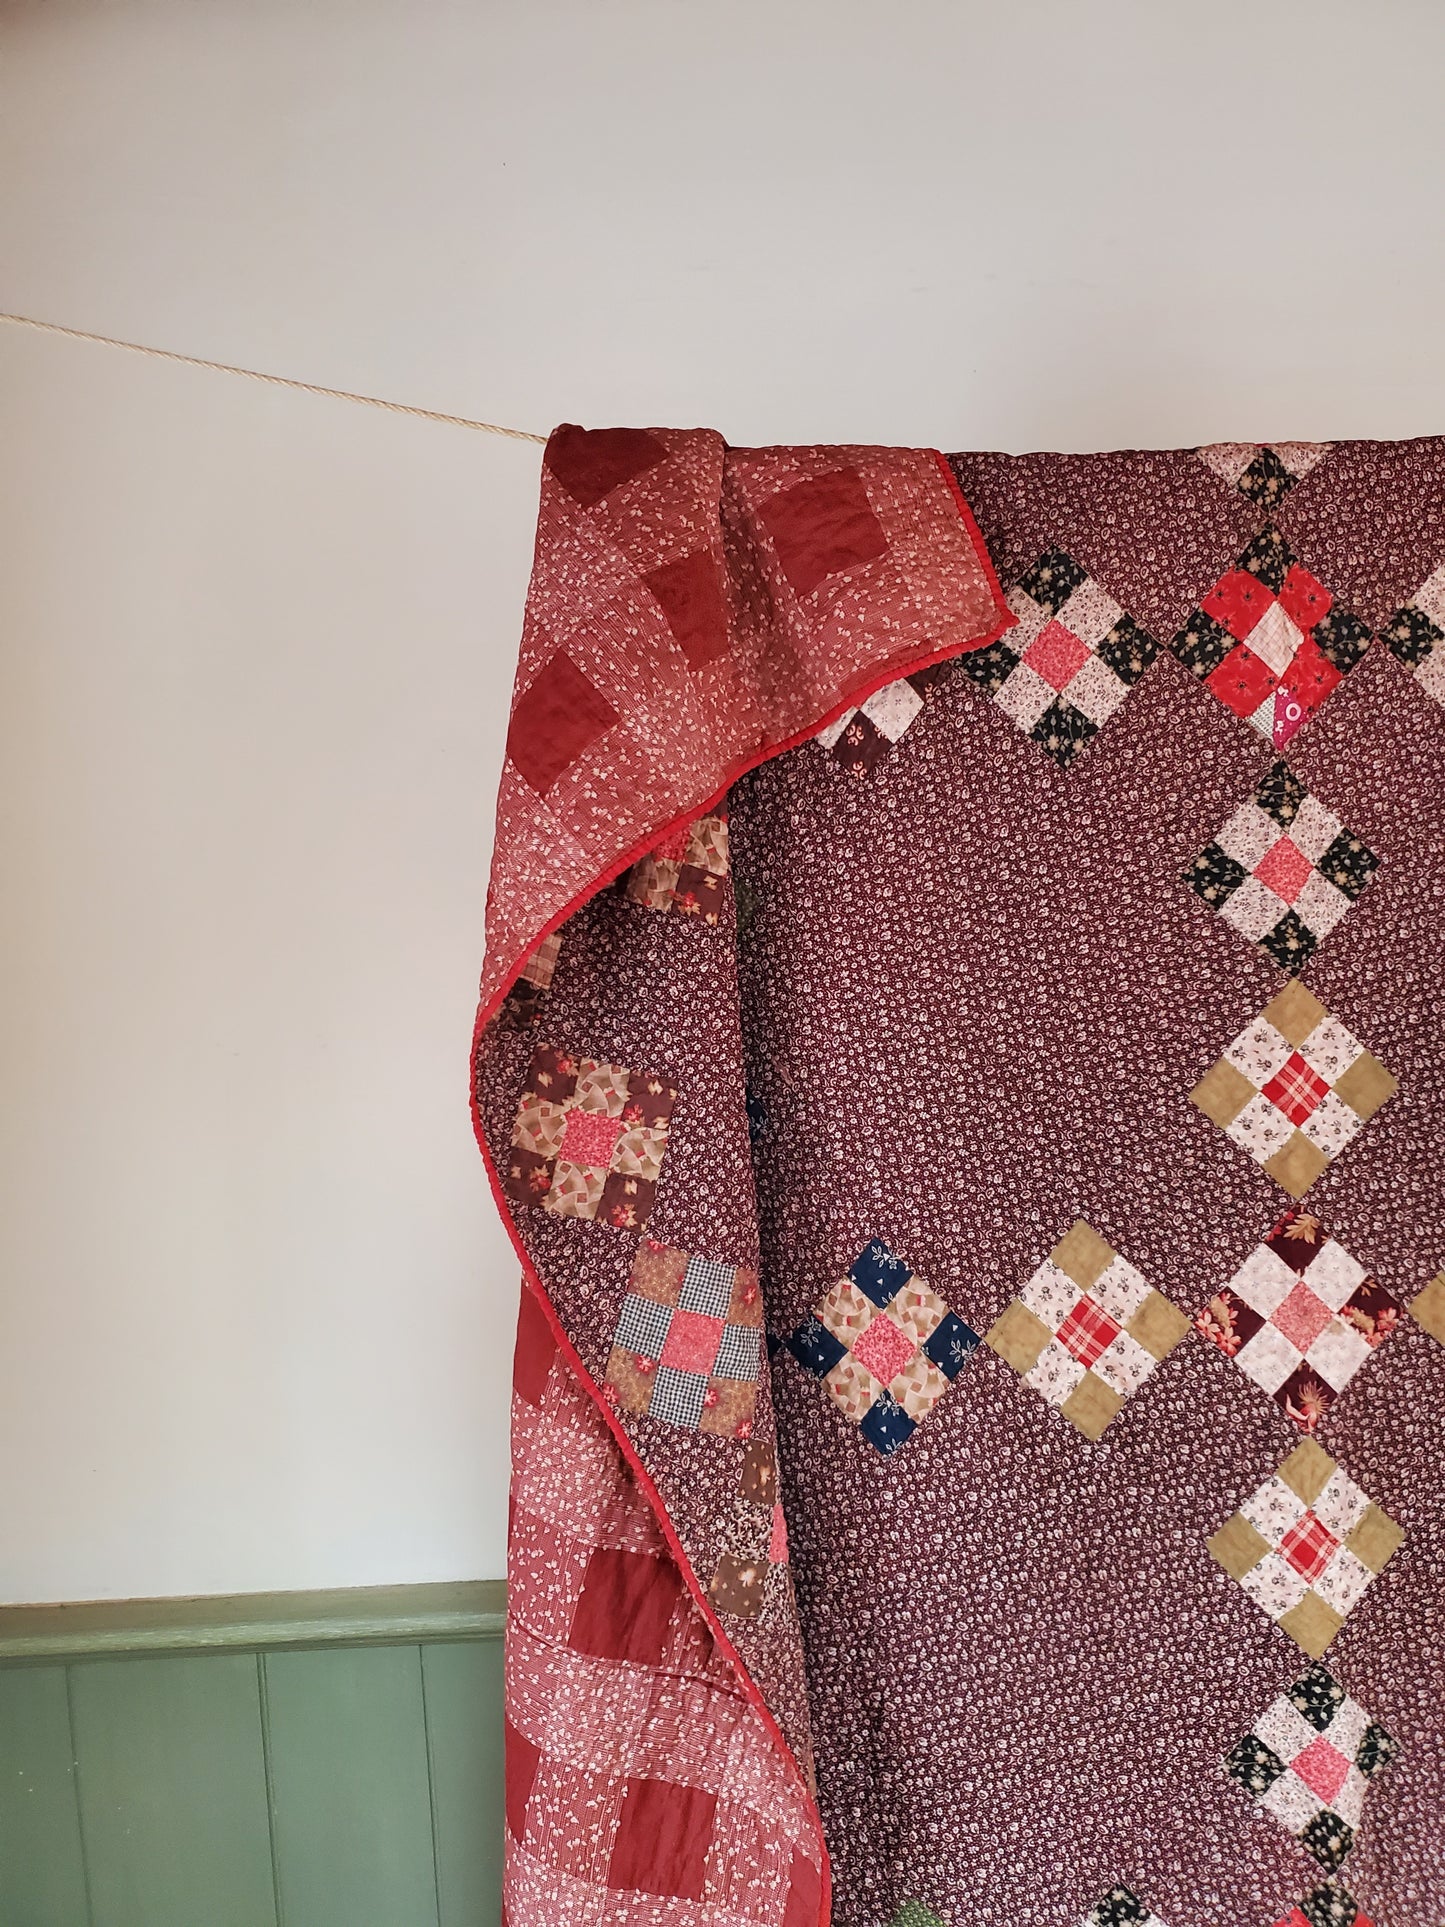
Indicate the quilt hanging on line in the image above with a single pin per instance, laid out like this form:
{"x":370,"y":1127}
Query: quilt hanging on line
{"x":961,"y":1060}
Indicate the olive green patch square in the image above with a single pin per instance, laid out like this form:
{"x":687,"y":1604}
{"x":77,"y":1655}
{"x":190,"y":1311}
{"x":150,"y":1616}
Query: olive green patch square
{"x":1294,"y":1013}
{"x":1366,"y":1085}
{"x":1017,"y":1336}
{"x":1237,"y":1546}
{"x":1222,"y":1093}
{"x":1083,"y":1254}
{"x":1374,"y":1538}
{"x":1157,"y":1325}
{"x":1296,"y":1165}
{"x":1091,"y":1405}
{"x":1307,"y":1471}
{"x":1311,"y":1624}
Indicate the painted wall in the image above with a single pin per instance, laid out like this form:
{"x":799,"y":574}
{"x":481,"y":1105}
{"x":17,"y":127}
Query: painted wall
{"x":255,"y":1313}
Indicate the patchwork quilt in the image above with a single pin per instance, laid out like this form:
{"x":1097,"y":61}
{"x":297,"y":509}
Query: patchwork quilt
{"x":961,"y":1059}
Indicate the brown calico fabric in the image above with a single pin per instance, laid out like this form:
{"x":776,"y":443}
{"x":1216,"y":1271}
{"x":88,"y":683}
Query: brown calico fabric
{"x":1110,"y":1587}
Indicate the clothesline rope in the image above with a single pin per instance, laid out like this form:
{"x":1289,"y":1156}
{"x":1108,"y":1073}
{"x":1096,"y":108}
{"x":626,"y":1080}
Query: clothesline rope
{"x":275,"y":381}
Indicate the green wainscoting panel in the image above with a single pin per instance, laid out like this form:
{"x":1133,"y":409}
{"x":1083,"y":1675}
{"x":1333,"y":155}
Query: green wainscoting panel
{"x":351,"y":1812}
{"x":42,"y":1866}
{"x":289,"y":1760}
{"x":463,"y":1686}
{"x":173,"y":1791}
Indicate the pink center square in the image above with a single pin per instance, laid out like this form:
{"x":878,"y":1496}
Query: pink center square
{"x":1088,"y":1331}
{"x":1285,"y":869}
{"x":1309,"y":1547}
{"x":883,"y":1348}
{"x":1057,"y":655}
{"x":590,"y":1138}
{"x":1322,"y":1767}
{"x":1296,"y":1089}
{"x":692,"y":1341}
{"x":1302,"y":1317}
{"x":778,"y":1539}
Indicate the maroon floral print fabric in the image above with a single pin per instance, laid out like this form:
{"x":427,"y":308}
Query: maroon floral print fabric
{"x":1065,"y":1062}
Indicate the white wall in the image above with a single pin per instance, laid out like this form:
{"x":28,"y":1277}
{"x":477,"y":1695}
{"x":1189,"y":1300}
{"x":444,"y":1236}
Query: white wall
{"x":254,"y":1312}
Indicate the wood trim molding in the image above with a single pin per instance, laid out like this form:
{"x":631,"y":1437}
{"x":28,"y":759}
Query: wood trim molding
{"x":351,"y":1616}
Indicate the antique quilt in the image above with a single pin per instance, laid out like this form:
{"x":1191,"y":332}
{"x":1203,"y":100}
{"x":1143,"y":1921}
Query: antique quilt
{"x":960,"y":1057}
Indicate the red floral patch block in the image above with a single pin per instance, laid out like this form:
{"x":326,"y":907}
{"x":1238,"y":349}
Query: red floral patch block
{"x":1269,"y":641}
{"x":685,"y":871}
{"x":688,"y":1344}
{"x":589,"y":1139}
{"x":1299,"y":1318}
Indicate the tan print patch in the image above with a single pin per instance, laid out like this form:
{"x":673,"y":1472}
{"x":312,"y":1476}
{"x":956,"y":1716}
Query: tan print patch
{"x":1428,"y":1309}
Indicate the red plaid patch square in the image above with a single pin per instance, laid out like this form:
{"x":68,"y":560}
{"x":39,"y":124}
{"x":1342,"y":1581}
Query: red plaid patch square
{"x":1309,"y":1547}
{"x":1296,"y":1089}
{"x":1088,"y":1331}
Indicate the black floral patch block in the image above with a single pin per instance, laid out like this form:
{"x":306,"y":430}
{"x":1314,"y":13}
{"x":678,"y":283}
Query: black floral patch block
{"x":1063,"y":731}
{"x":1214,"y":876}
{"x":1411,"y":635}
{"x":1254,"y":1765}
{"x":990,"y":668}
{"x":1052,"y":580}
{"x":1120,"y":1908}
{"x":1318,"y":1696}
{"x":1328,"y":1838}
{"x":1266,"y":480}
{"x":1291,"y":943}
{"x":1330,"y":1905}
{"x":1128,"y":649}
{"x":1269,"y":559}
{"x":1348,"y":864}
{"x":1415,"y":634}
{"x":1283,"y":870}
{"x":1342,"y":639}
{"x":1202,"y":644}
{"x":1377,"y":1749}
{"x":1117,"y":1908}
{"x":1263,"y":472}
{"x":1068,"y":663}
{"x":1280,"y":794}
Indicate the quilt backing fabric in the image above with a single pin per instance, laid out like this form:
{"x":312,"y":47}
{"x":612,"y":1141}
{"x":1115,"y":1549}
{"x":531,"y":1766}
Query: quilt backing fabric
{"x":961,"y":1057}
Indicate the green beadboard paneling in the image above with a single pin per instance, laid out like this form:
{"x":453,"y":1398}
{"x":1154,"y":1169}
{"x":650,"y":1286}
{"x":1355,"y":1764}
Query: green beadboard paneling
{"x":42,"y":1866}
{"x":463,"y":1683}
{"x":173,"y":1791}
{"x":356,"y":1615}
{"x":351,"y":1814}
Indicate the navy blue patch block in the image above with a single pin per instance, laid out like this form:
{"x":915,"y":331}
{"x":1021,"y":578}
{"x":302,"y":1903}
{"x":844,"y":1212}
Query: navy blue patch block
{"x":815,"y":1347}
{"x":951,"y":1344}
{"x":886,"y":1425}
{"x":878,"y":1274}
